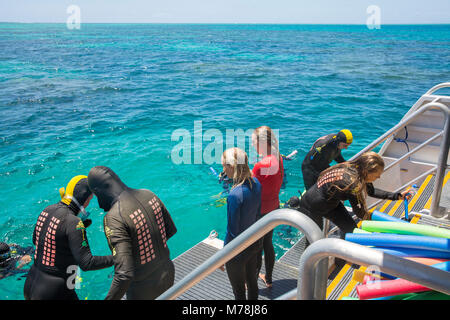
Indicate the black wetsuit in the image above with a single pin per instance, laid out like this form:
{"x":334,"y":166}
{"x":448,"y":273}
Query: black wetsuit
{"x":322,"y":153}
{"x":321,"y":201}
{"x":61,"y":244}
{"x":137,"y":227}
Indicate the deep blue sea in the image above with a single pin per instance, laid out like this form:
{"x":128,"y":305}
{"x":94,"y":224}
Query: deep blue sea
{"x":114,"y":95}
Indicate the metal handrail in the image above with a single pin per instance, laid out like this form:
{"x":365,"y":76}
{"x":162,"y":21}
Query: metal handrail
{"x":399,"y":126}
{"x":427,"y":276}
{"x":437,"y":87}
{"x":443,"y":154}
{"x":420,"y":147}
{"x":441,"y":163}
{"x":410,"y":182}
{"x":256,"y":231}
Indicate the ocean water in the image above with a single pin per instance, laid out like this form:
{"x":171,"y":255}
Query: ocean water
{"x":114,"y":94}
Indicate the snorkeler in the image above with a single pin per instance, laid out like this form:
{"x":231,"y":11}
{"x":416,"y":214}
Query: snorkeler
{"x":323,"y":152}
{"x":243,"y":210}
{"x":269,"y":172}
{"x":351,"y":181}
{"x":137,"y":226}
{"x":61,"y":244}
{"x":13,"y":258}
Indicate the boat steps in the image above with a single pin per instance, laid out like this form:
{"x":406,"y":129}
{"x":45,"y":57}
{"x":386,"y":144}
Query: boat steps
{"x":344,"y":284}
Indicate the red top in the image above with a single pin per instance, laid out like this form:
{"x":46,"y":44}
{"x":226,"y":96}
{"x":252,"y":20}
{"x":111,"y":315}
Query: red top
{"x":269,"y":173}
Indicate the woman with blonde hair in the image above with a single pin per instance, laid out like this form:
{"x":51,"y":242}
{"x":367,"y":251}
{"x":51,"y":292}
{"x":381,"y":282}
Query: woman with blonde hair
{"x":269,"y":172}
{"x":243,"y":209}
{"x":350,"y":180}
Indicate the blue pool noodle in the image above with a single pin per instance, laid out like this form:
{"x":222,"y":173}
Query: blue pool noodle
{"x":395,"y":241}
{"x":401,"y":252}
{"x":441,"y":266}
{"x":380,"y":216}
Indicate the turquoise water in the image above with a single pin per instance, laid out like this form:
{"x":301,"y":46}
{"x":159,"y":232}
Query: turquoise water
{"x":114,"y":94}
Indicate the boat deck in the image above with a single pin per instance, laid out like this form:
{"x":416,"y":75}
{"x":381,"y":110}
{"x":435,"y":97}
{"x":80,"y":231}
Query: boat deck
{"x":341,"y":281}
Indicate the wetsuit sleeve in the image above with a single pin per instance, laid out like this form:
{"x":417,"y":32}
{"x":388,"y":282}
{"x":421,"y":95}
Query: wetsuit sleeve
{"x":339,"y":158}
{"x":79,"y":246}
{"x":233,"y":215}
{"x":120,"y":244}
{"x":381,"y":194}
{"x":358,"y":209}
{"x":169,"y":225}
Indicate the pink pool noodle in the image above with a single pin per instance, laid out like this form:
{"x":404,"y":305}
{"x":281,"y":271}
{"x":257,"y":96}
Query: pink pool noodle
{"x":388,"y":288}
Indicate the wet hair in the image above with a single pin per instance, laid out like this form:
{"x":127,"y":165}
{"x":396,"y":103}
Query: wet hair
{"x":357,"y":171}
{"x":4,"y":248}
{"x":294,"y":202}
{"x":266,"y":139}
{"x":238,"y":160}
{"x":4,"y":254}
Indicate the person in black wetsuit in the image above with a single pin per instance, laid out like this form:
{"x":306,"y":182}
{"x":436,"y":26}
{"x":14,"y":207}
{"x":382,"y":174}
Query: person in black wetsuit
{"x":346,"y":181}
{"x":61,"y":246}
{"x":137,"y":226}
{"x":13,"y":258}
{"x":323,"y":152}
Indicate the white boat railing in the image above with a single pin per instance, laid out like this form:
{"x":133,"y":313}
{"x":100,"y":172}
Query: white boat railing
{"x":437,"y":87}
{"x":432,"y":278}
{"x":439,"y":168}
{"x":443,"y":154}
{"x":255,"y":232}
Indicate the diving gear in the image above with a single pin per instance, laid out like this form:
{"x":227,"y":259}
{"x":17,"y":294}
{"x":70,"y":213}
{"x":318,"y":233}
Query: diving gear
{"x":83,"y":213}
{"x":345,"y":136}
{"x":137,"y":227}
{"x":322,"y":153}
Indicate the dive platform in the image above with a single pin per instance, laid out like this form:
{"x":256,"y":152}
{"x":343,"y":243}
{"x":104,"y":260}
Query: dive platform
{"x":415,"y":151}
{"x":342,"y":280}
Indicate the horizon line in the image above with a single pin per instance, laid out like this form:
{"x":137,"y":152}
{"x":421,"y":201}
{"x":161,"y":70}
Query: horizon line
{"x":234,"y":23}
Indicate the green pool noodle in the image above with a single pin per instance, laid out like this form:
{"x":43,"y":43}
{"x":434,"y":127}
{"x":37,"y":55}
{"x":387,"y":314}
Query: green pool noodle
{"x":405,"y":228}
{"x":429,"y":295}
{"x":358,"y":230}
{"x":349,"y":298}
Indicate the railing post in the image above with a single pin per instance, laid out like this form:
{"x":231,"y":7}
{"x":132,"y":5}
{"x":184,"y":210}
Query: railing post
{"x":440,"y":172}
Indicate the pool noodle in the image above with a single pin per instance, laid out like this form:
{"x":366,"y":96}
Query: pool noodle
{"x":358,"y":275}
{"x":404,"y":252}
{"x":388,"y":288}
{"x":426,"y":261}
{"x":357,"y":230}
{"x":380,"y":216}
{"x":385,"y":288}
{"x":428,"y":295}
{"x":405,"y":228}
{"x":400,"y":241}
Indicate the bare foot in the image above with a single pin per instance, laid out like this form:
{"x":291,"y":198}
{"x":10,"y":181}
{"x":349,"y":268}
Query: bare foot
{"x":263,"y":278}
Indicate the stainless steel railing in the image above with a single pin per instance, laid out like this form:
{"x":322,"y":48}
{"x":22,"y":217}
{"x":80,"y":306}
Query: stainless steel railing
{"x":442,"y":160}
{"x":277,"y":217}
{"x":443,"y":154}
{"x":427,"y":276}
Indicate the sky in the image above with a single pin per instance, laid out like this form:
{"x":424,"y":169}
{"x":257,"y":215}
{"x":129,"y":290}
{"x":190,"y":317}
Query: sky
{"x":228,"y":11}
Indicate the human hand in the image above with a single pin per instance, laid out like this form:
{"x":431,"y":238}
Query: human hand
{"x":405,"y":194}
{"x":23,"y":261}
